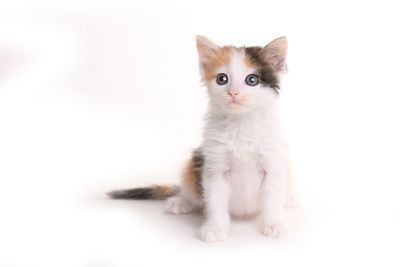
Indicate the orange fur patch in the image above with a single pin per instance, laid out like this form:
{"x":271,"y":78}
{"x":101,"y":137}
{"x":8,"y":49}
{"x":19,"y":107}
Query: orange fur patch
{"x":249,"y":63}
{"x":219,"y":59}
{"x":165,"y":190}
{"x":190,"y":178}
{"x":240,"y":49}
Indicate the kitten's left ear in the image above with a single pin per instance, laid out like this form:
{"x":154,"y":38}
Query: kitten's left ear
{"x":206,"y":48}
{"x":275,"y":53}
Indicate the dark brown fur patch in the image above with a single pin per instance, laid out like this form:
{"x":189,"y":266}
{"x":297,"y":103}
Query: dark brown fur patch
{"x":151,"y":192}
{"x":267,"y":74}
{"x":198,"y":160}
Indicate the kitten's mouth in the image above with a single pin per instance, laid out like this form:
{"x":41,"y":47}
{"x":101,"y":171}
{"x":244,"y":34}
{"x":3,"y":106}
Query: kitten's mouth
{"x":233,"y":102}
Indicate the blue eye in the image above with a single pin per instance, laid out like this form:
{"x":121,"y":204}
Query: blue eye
{"x":252,"y":80}
{"x":222,"y":79}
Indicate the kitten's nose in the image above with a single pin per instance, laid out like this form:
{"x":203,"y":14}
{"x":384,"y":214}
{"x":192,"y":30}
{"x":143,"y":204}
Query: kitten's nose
{"x":233,"y":93}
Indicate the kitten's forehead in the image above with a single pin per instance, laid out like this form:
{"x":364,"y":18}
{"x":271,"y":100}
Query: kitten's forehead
{"x":230,"y":57}
{"x":239,"y":66}
{"x":239,"y":60}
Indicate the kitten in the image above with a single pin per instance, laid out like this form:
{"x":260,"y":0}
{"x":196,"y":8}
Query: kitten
{"x":241,"y":168}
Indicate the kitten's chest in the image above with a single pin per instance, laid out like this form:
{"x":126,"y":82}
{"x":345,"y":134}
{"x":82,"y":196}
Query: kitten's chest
{"x":244,"y":160}
{"x":245,"y":175}
{"x":245,"y":144}
{"x":243,"y":141}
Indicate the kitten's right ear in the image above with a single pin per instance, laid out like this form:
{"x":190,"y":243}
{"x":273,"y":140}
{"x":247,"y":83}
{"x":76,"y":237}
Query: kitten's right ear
{"x":206,"y":48}
{"x":275,"y":53}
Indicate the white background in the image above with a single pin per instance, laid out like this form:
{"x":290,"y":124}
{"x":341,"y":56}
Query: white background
{"x":101,"y":95}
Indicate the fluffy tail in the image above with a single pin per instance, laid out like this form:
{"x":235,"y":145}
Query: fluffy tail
{"x":151,"y":192}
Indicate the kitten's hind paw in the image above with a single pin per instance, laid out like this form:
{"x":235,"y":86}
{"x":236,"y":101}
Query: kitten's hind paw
{"x":291,"y":202}
{"x":276,"y":230}
{"x":176,"y":205}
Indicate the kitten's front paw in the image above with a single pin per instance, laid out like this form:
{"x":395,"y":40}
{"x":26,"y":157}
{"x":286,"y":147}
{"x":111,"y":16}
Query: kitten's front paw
{"x":275,"y":230}
{"x":210,"y":233}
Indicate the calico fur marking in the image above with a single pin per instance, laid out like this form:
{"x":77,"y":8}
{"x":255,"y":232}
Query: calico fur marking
{"x":220,"y":58}
{"x":191,"y":178}
{"x":255,"y":58}
{"x":152,"y":192}
{"x":193,"y":172}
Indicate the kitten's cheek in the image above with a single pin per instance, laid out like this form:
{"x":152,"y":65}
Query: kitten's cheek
{"x":224,"y":98}
{"x":247,"y":100}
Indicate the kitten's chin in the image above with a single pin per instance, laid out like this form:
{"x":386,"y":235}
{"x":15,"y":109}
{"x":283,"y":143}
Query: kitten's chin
{"x":236,"y":107}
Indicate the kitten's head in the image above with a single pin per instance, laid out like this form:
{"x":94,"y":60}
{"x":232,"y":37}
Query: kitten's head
{"x":240,"y":79}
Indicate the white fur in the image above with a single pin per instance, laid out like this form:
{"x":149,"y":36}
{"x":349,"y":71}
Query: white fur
{"x":178,"y":205}
{"x":245,"y":168}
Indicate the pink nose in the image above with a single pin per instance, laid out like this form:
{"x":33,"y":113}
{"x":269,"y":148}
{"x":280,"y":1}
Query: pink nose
{"x":233,"y":93}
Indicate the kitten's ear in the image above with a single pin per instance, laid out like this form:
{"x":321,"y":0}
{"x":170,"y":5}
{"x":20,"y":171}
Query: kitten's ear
{"x":275,"y":53}
{"x":205,"y":47}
